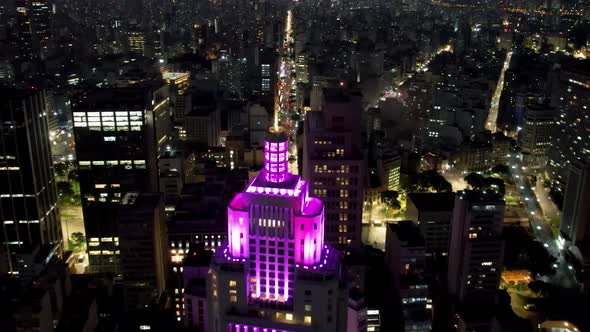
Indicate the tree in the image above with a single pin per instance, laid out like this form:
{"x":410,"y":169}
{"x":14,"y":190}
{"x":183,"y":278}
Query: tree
{"x":557,"y":197}
{"x":429,"y":181}
{"x":390,"y":199}
{"x":504,"y":170}
{"x":65,"y":188}
{"x":61,"y":169}
{"x":539,"y":287}
{"x":440,"y":184}
{"x":522,"y":251}
{"x":496,"y":185}
{"x":475,"y":180}
{"x":77,"y":241}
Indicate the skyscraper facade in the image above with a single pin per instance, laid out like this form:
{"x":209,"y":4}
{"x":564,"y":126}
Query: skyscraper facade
{"x":476,"y":249}
{"x":276,"y":273}
{"x":40,"y":15}
{"x":334,"y":165}
{"x":144,"y":250}
{"x":34,"y":28}
{"x":575,"y":218}
{"x":571,"y":138}
{"x":28,"y":199}
{"x":116,"y":145}
{"x":535,"y":136}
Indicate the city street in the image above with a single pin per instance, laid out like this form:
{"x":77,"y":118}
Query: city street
{"x":541,"y":227}
{"x":493,"y":112}
{"x":547,"y":205}
{"x":286,"y":84}
{"x":62,"y":144}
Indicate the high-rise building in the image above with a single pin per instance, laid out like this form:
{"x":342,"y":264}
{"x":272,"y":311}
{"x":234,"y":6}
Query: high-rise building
{"x":117,"y":143}
{"x":535,"y":137}
{"x":28,"y":199}
{"x":40,"y":16}
{"x":571,"y":139}
{"x":434,"y":213}
{"x":143,"y":247}
{"x":334,"y":165}
{"x":405,"y":257}
{"x":195,"y":271}
{"x":136,"y":42}
{"x":575,"y":218}
{"x":476,"y":249}
{"x":33,"y":27}
{"x":179,"y":98}
{"x":357,"y":312}
{"x":276,"y":273}
{"x":23,"y":27}
{"x":202,"y":123}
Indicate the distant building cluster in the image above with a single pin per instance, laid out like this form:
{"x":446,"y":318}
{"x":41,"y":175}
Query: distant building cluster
{"x":294,"y":166}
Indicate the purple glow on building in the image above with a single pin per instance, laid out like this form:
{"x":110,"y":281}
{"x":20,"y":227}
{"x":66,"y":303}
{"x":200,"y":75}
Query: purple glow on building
{"x":274,"y":226}
{"x":248,"y":328}
{"x":237,"y":228}
{"x":309,"y":233}
{"x":276,"y":161}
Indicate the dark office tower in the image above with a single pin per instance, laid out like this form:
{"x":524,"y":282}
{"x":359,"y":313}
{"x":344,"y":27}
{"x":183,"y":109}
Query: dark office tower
{"x":117,"y":134}
{"x":476,"y":249}
{"x":535,"y":137}
{"x":434,"y":213}
{"x":575,"y":218}
{"x":144,"y":253}
{"x":28,"y":210}
{"x":334,"y":165}
{"x":33,"y":27}
{"x":267,"y":74}
{"x":23,"y":27}
{"x":40,"y":17}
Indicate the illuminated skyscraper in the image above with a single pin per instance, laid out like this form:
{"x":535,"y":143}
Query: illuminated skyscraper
{"x":28,"y":199}
{"x":276,"y":274}
{"x":118,"y":135}
{"x":476,"y":249}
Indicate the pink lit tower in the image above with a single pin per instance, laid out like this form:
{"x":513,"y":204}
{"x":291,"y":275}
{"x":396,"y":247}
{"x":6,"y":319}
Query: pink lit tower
{"x":276,"y":274}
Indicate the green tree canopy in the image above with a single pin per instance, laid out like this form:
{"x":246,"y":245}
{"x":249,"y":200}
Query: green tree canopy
{"x":390,"y":199}
{"x":475,"y":180}
{"x":65,"y":188}
{"x":77,"y":241}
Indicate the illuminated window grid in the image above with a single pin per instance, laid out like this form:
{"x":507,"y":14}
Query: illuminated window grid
{"x":271,"y":270}
{"x":276,"y":161}
{"x":231,"y":327}
{"x":109,"y":121}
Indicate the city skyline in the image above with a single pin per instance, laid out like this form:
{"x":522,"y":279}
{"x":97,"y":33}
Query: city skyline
{"x":294,"y":165}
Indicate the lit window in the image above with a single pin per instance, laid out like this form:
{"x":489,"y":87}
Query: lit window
{"x":232,"y":283}
{"x":289,"y":316}
{"x":307,"y":319}
{"x":233,"y":299}
{"x":308,"y":307}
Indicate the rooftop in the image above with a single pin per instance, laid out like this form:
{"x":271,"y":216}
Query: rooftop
{"x":169,"y":75}
{"x":479,"y":196}
{"x":433,"y":201}
{"x":134,"y":203}
{"x":336,"y":95}
{"x":407,"y":232}
{"x":198,"y":258}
